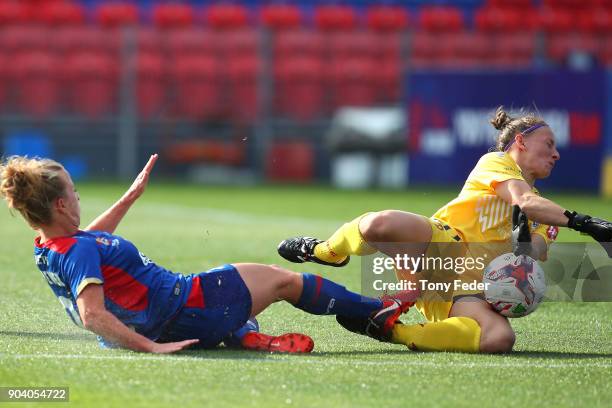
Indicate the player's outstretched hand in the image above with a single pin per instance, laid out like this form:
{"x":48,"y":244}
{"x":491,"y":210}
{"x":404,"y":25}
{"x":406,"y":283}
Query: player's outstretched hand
{"x":165,"y":348}
{"x":600,"y":230}
{"x":140,"y":183}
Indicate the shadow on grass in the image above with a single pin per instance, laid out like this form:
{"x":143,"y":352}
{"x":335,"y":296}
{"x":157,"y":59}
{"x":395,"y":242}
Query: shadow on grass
{"x":558,"y":355}
{"x":48,"y":335}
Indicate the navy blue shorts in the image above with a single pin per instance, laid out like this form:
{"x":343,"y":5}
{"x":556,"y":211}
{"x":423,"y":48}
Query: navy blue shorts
{"x":218,"y":304}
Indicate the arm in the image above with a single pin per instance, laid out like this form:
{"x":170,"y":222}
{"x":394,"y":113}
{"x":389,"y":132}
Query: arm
{"x":109,"y":219}
{"x":539,"y":209}
{"x":97,"y":319}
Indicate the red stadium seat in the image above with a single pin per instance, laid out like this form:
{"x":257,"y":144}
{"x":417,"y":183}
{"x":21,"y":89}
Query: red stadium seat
{"x":16,"y":39}
{"x":464,"y":49}
{"x":423,"y":49}
{"x":389,"y":79}
{"x":560,"y":46}
{"x":150,"y":84}
{"x":566,"y":4}
{"x":605,"y":52}
{"x":76,"y":40}
{"x":37,"y":84}
{"x":343,"y":45}
{"x":91,"y":82}
{"x":441,"y":18}
{"x":307,"y":43}
{"x":173,"y":15}
{"x":281,"y":16}
{"x":227,"y":16}
{"x":387,"y":18}
{"x":13,"y":13}
{"x":192,"y":42}
{"x":197,"y":86}
{"x":112,"y":15}
{"x":513,"y":50}
{"x":494,"y":19}
{"x":554,"y":20}
{"x":300,"y":87}
{"x":290,"y":161}
{"x":353,"y":83}
{"x":60,"y":13}
{"x":335,"y":17}
{"x":596,"y":20}
{"x":4,"y":83}
{"x":243,"y":81}
{"x":514,"y":4}
{"x":149,"y":40}
{"x":242,"y":42}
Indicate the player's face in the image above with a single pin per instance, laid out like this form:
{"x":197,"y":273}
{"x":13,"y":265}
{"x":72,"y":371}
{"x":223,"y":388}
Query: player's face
{"x":71,"y":201}
{"x":541,"y":152}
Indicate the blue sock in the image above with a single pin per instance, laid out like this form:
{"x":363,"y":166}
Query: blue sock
{"x":235,"y":339}
{"x":324,"y":297}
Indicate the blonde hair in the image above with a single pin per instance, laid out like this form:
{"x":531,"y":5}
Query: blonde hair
{"x":30,"y":186}
{"x":509,"y":127}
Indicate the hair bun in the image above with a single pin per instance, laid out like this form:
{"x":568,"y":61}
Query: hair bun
{"x":501,"y":119}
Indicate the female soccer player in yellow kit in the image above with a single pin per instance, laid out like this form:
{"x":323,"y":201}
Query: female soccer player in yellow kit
{"x":481,"y":213}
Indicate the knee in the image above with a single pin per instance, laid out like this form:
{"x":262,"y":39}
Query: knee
{"x":377,"y":227}
{"x":284,"y":278}
{"x":500,"y":341}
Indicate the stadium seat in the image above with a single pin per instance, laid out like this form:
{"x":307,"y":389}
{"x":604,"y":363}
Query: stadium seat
{"x":423,"y":47}
{"x":299,"y":88}
{"x":192,"y":42}
{"x":464,"y":49}
{"x":514,"y":50}
{"x":281,"y":16}
{"x":342,"y":45}
{"x":335,"y":17}
{"x":113,"y":15}
{"x":150,"y":84}
{"x":388,"y":79}
{"x":387,"y":18}
{"x":172,"y":15}
{"x":243,"y":82}
{"x":226,"y":16}
{"x":565,"y":4}
{"x":76,"y":40}
{"x":241,"y":42}
{"x":553,"y":20}
{"x":305,"y":43}
{"x":560,"y":46}
{"x":15,"y":39}
{"x":4,"y":83}
{"x":59,"y":13}
{"x":605,"y":52}
{"x":596,"y":20}
{"x":497,"y":19}
{"x":150,"y":40}
{"x":441,"y":18}
{"x":13,"y":13}
{"x":37,"y":83}
{"x":290,"y":161}
{"x":91,"y":81}
{"x":513,"y":4}
{"x":353,"y":83}
{"x":197,"y":87}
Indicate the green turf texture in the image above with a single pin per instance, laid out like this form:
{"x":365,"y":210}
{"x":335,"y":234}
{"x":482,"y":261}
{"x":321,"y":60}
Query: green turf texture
{"x":563,"y":353}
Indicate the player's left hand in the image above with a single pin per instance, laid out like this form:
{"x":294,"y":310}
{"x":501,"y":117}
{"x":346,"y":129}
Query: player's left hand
{"x":141,"y":181}
{"x":600,"y":230}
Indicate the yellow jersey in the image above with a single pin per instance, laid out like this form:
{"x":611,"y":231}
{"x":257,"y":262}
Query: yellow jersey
{"x":478,"y":214}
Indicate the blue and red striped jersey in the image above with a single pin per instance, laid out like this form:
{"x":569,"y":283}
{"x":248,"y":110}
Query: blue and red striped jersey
{"x":138,"y":292}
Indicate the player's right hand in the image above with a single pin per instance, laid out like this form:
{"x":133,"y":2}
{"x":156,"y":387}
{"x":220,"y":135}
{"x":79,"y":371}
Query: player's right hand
{"x":166,"y":348}
{"x":600,"y":230}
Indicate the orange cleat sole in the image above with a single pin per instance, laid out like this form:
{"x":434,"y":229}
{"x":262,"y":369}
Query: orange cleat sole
{"x":285,"y":343}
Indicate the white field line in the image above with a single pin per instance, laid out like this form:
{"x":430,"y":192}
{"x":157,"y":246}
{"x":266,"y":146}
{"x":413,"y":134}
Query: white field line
{"x":226,"y":216}
{"x":311,"y":361}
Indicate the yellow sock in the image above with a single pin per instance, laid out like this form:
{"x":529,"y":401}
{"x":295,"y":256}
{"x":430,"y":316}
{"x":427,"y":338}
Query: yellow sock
{"x":452,"y":334}
{"x":347,"y":240}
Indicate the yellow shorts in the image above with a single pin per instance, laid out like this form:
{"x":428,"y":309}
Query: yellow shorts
{"x":431,"y":304}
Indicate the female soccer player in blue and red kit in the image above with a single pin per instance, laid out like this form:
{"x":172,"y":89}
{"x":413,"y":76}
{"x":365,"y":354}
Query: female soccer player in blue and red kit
{"x":110,"y":288}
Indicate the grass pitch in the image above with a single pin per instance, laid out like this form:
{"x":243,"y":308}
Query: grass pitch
{"x":563,"y":353}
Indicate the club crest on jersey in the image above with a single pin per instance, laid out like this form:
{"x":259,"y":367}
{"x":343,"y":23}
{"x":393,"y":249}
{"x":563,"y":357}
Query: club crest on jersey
{"x":552,"y":232}
{"x":145,"y":259}
{"x":107,"y":242}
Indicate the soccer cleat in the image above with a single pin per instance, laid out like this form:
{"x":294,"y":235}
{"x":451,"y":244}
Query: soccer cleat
{"x":301,"y":249}
{"x":285,"y":343}
{"x":380,"y":324}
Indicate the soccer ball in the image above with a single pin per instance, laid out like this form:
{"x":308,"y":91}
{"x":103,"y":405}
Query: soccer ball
{"x":514,"y":285}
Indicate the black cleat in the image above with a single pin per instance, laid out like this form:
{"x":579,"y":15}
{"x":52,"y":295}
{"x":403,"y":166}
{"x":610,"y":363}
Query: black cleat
{"x":301,"y":249}
{"x":380,"y":324}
